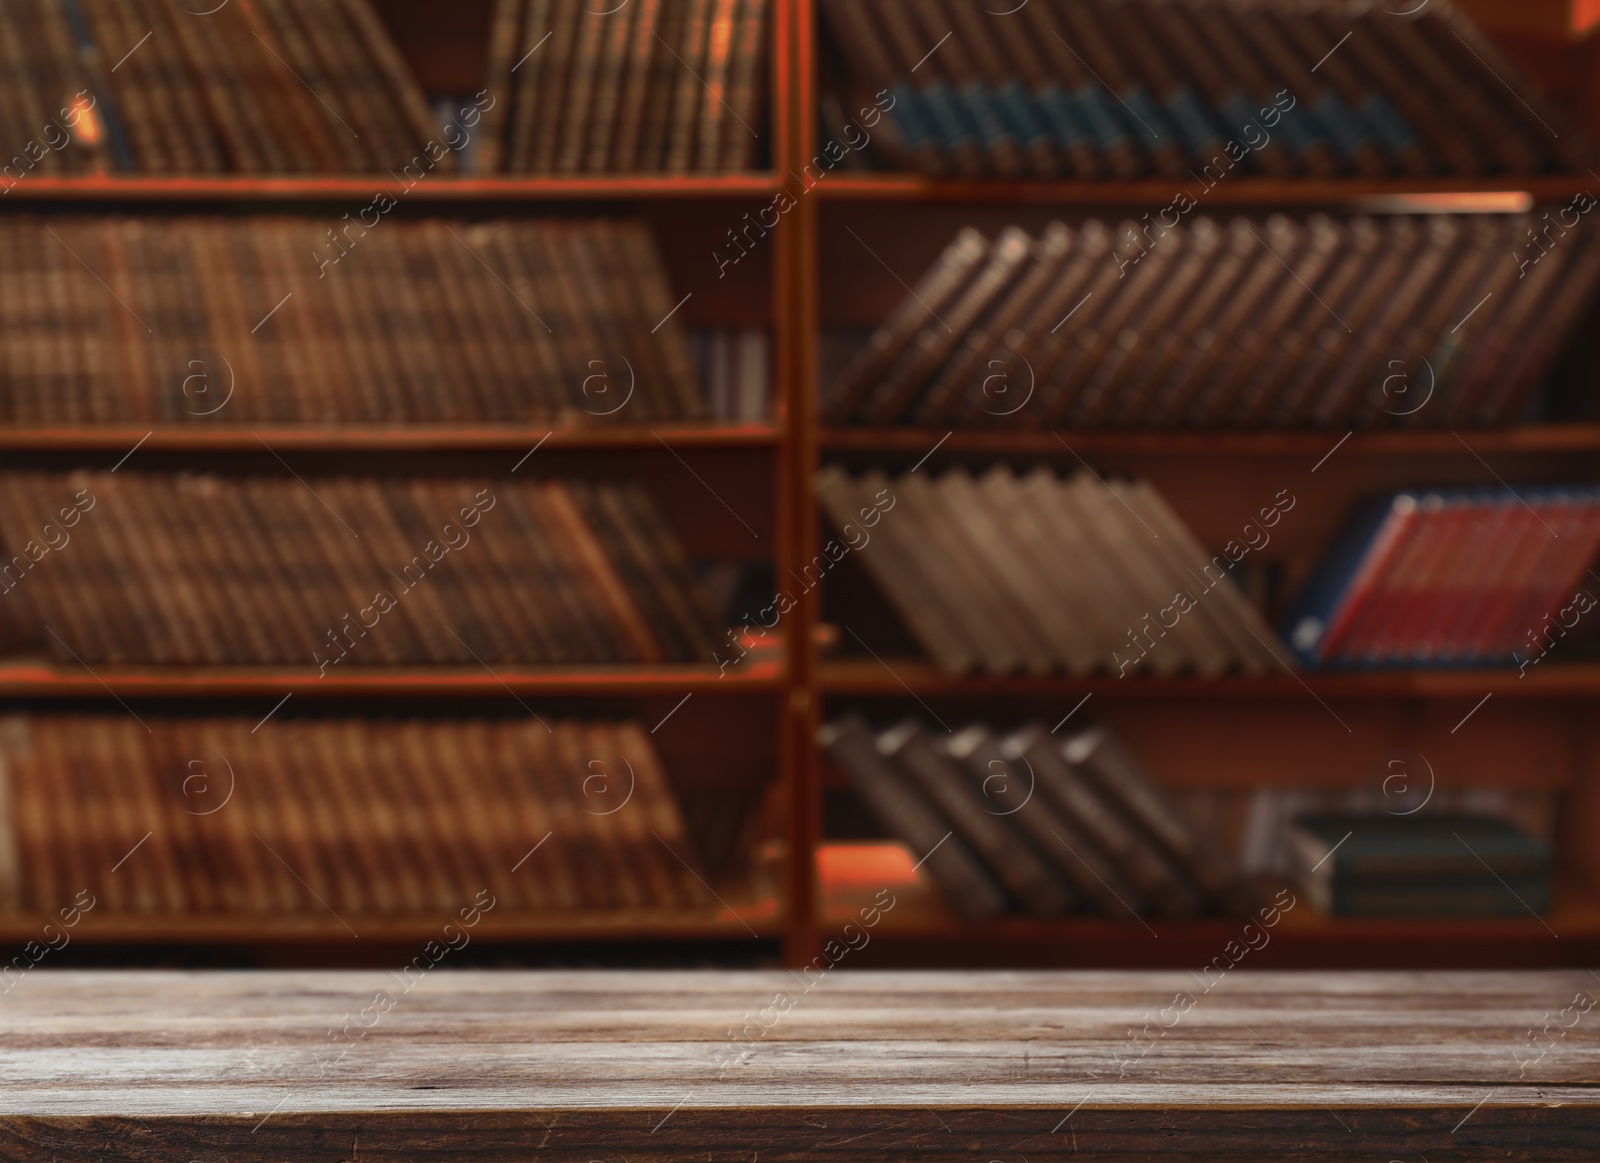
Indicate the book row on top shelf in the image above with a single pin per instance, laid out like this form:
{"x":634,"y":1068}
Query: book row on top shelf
{"x":291,"y":87}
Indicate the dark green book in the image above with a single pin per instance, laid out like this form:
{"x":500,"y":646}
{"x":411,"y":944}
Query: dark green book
{"x":1431,"y":863}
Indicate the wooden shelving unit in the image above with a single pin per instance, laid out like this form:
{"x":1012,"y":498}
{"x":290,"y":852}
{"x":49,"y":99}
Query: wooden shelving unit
{"x":775,"y":704}
{"x":688,"y":468}
{"x":1266,"y":729}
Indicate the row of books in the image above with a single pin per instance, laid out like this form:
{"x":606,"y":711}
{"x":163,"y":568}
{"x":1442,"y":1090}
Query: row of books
{"x":183,"y":816}
{"x":1007,"y":573}
{"x":652,"y":86}
{"x":1434,"y":321}
{"x":281,"y":318}
{"x":1099,"y":88}
{"x":274,"y":86}
{"x":1455,"y":577}
{"x":1031,"y":822}
{"x":345,"y":572}
{"x":1427,"y":864}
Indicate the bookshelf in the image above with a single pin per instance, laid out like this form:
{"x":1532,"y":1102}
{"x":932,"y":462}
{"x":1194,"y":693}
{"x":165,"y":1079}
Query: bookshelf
{"x":1226,"y":733}
{"x":756,"y":726}
{"x":716,"y":730}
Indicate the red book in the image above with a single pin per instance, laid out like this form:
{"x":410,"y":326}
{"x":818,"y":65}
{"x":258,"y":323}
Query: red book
{"x":1502,"y":519}
{"x":1377,"y":603}
{"x":1415,"y":588}
{"x":1380,"y":556}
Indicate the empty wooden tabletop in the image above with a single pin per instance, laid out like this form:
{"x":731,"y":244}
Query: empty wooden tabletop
{"x":633,"y":1066}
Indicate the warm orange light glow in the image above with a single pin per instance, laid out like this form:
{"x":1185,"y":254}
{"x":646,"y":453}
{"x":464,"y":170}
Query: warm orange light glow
{"x":85,"y":123}
{"x":858,"y":867}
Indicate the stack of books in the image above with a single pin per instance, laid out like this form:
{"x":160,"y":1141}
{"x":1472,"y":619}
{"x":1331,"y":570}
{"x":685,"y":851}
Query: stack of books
{"x":1255,"y":823}
{"x":228,"y":320}
{"x":360,"y":816}
{"x":1031,"y":822}
{"x":330,"y":573}
{"x":1361,"y":322}
{"x":1427,"y":864}
{"x":649,"y":86}
{"x":1458,"y":577}
{"x":1004,"y":574}
{"x":271,"y":87}
{"x":1125,"y":88}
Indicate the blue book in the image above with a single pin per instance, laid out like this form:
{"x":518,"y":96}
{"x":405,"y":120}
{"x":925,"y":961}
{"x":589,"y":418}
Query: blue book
{"x":911,"y":117}
{"x":1194,"y":121}
{"x":984,"y":111}
{"x":950,"y":117}
{"x":1349,"y":132}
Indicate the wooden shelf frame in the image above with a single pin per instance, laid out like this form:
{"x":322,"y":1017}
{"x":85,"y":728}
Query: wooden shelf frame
{"x":1527,"y":438}
{"x":917,"y":678}
{"x":801,"y":680}
{"x":740,"y":921}
{"x":1499,"y":192}
{"x":45,"y":680}
{"x":467,"y":437}
{"x":434,"y":190}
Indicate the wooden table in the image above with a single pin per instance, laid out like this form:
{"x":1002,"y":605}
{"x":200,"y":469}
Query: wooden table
{"x":225,"y":1067}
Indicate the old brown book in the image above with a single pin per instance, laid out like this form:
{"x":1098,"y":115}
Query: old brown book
{"x":528,"y":113}
{"x":639,"y":72}
{"x":1103,"y":393}
{"x":715,"y":123}
{"x":1121,"y":778}
{"x":987,"y":344}
{"x":1158,"y":886}
{"x":579,"y":99}
{"x":932,"y":345}
{"x":505,"y":37}
{"x":616,"y":42}
{"x":942,"y":782}
{"x":1060,"y":385}
{"x":1323,"y":332}
{"x":956,"y":265}
{"x":690,"y":50}
{"x":742,"y":135}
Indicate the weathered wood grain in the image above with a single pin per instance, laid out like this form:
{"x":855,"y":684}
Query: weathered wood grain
{"x":928,"y":1066}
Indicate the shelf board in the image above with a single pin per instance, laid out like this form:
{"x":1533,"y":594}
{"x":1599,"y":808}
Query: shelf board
{"x":199,"y":436}
{"x":748,"y":920}
{"x":1216,"y":442}
{"x":316,"y":188}
{"x":856,"y":875}
{"x":903,"y":677}
{"x":45,"y":680}
{"x":1368,"y":194}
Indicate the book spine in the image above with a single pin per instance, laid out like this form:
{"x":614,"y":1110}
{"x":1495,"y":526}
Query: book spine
{"x":714,"y":127}
{"x":640,"y":70}
{"x":505,"y":28}
{"x":891,"y":797}
{"x":577,"y":122}
{"x":743,"y":137}
{"x":608,"y":90}
{"x":686,"y":98}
